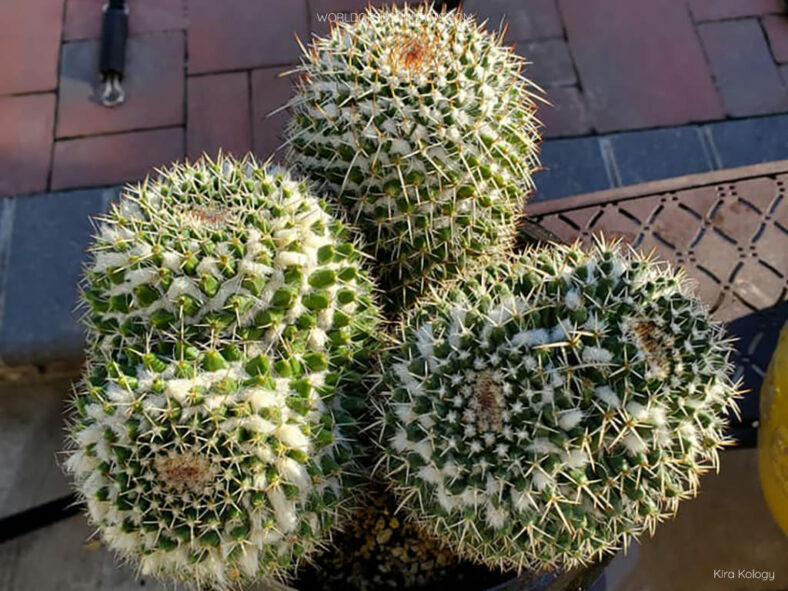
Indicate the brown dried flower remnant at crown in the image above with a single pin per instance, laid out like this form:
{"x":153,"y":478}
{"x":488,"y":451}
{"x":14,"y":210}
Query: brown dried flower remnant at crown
{"x":214,"y":217}
{"x":488,"y":402}
{"x":185,"y":472}
{"x":655,"y":345}
{"x":412,"y":54}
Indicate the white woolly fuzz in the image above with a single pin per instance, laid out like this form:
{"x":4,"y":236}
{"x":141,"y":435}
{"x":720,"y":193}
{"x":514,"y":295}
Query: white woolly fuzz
{"x":569,"y":419}
{"x":606,"y":395}
{"x":596,"y":355}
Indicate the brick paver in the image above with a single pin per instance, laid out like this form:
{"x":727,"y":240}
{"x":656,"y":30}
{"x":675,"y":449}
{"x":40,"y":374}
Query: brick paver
{"x":525,"y":20}
{"x":239,"y":34}
{"x":776,"y":28}
{"x":219,"y":115}
{"x":606,"y":66}
{"x":153,"y":86}
{"x":29,"y":45}
{"x":550,"y":62}
{"x":269,"y":92}
{"x":746,"y":76}
{"x":714,"y":10}
{"x":643,"y":68}
{"x":110,"y":159}
{"x":83,"y":17}
{"x":566,"y":114}
{"x":26,"y":124}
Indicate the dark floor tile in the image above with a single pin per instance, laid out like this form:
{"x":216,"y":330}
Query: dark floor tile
{"x":571,"y":166}
{"x":659,"y":154}
{"x":751,"y":141}
{"x":48,"y":241}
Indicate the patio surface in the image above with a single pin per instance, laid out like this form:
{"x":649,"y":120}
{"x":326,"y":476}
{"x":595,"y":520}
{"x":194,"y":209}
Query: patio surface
{"x":203,"y":74}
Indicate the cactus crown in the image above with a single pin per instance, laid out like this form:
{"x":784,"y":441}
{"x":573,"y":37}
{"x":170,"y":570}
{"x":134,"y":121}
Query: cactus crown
{"x":225,"y":249}
{"x":226,"y":309}
{"x":422,"y":126}
{"x":555,"y":406}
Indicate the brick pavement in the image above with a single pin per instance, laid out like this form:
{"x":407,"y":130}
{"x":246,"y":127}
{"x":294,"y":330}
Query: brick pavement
{"x":204,"y":74}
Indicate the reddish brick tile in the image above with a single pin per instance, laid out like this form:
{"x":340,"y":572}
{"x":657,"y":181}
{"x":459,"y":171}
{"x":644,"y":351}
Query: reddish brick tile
{"x":29,"y":43}
{"x":26,"y":124}
{"x":635,"y":74}
{"x":269,"y":92}
{"x":566,"y":115}
{"x":714,"y":10}
{"x":525,"y":19}
{"x":550,"y":62}
{"x":153,"y":85}
{"x":219,"y":115}
{"x":110,"y":159}
{"x":83,"y":17}
{"x":237,"y":34}
{"x":777,"y":30}
{"x":745,"y":73}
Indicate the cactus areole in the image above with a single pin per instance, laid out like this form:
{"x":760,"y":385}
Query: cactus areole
{"x":555,"y":406}
{"x":423,"y":127}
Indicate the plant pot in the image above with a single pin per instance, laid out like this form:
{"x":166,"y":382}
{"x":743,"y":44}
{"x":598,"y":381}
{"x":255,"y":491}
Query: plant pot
{"x":577,"y":579}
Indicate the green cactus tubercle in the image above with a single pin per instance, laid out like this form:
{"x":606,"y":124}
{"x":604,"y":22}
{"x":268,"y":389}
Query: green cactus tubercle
{"x":555,"y":406}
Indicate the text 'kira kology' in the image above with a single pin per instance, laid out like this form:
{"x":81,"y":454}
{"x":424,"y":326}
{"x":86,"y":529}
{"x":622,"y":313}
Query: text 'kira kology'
{"x":744,"y":573}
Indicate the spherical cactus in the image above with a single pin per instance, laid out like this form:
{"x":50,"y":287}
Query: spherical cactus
{"x":226,"y":249}
{"x":556,"y":406}
{"x":217,"y":470}
{"x":227,"y":310}
{"x":423,"y":127}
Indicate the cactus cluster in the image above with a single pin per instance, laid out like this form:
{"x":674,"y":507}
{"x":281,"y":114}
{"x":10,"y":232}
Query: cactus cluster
{"x":535,"y":411}
{"x":421,"y":125}
{"x":226,"y":309}
{"x":555,"y":406}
